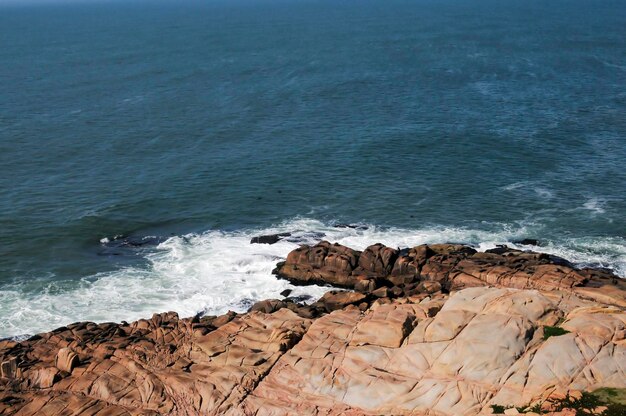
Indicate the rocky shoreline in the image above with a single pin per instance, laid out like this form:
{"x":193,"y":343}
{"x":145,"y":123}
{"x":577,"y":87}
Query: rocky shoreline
{"x":437,"y":329}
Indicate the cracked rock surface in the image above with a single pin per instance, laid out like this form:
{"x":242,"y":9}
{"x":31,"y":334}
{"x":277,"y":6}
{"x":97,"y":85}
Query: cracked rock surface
{"x":434,"y":330}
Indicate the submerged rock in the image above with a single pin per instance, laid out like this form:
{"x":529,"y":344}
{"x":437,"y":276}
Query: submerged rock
{"x":527,"y":242}
{"x":353,"y":226}
{"x":269,"y":239}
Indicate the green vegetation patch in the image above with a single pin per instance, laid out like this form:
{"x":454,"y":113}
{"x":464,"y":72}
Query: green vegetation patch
{"x":611,"y":395}
{"x":589,"y":401}
{"x":613,"y":399}
{"x":497,"y":409}
{"x":553,"y":331}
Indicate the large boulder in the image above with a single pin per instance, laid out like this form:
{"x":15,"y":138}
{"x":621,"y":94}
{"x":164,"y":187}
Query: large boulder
{"x":323,"y":263}
{"x":454,"y":266}
{"x":376,"y":261}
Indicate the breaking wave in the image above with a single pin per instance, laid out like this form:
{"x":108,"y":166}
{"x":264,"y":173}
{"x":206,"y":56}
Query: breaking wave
{"x":217,"y":271}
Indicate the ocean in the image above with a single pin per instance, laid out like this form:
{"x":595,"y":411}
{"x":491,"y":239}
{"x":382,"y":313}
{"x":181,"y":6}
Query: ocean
{"x":144,"y":143}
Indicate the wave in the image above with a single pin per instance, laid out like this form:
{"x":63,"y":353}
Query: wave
{"x":595,"y":205}
{"x":541,"y":192}
{"x":217,"y":271}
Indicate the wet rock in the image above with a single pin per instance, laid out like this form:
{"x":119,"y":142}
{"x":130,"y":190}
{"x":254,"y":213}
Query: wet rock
{"x":304,"y":237}
{"x":501,"y":249}
{"x":285,"y":292}
{"x":353,"y":226}
{"x":299,"y":298}
{"x":269,"y":239}
{"x":527,"y":242}
{"x":122,"y":245}
{"x":133,"y":241}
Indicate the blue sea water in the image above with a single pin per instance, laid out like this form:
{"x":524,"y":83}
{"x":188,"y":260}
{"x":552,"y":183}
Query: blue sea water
{"x":143,"y":143}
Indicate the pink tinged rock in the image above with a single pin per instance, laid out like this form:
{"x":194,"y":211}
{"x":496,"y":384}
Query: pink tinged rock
{"x":447,"y":325}
{"x":386,"y":326}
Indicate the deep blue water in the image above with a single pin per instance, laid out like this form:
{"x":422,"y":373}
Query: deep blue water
{"x":479,"y":121}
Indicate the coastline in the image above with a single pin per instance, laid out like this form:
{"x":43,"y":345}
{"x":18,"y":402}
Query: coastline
{"x":214,"y":271}
{"x":419,"y":324}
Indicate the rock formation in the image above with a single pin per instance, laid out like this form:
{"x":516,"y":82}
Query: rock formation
{"x":433,"y":330}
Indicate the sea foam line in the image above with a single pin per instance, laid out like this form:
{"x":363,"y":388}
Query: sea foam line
{"x":217,"y":271}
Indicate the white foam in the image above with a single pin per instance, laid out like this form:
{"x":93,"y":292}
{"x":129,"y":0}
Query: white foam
{"x":530,"y":186}
{"x":515,"y":185}
{"x":219,"y":271}
{"x":595,"y":205}
{"x":543,"y":192}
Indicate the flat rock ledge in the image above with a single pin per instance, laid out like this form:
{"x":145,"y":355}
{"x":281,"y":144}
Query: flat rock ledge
{"x":433,"y":330}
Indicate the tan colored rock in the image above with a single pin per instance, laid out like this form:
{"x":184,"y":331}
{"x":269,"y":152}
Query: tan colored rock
{"x":459,"y":362}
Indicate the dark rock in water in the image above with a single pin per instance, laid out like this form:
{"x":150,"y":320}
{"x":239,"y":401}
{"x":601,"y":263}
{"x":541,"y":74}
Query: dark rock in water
{"x":306,"y":237}
{"x":269,"y":239}
{"x":527,"y":242}
{"x":299,"y":298}
{"x":246,"y":303}
{"x":18,"y":338}
{"x":144,"y":241}
{"x":286,"y":292}
{"x":353,"y":226}
{"x":560,"y":261}
{"x":122,"y":245}
{"x":500,"y":249}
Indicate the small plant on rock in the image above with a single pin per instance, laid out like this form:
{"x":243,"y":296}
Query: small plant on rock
{"x":553,"y":331}
{"x":497,"y":409}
